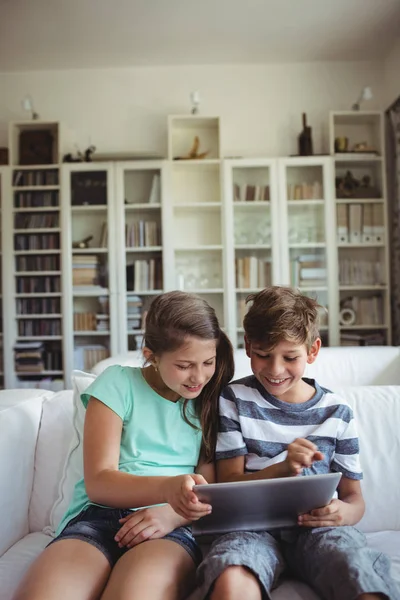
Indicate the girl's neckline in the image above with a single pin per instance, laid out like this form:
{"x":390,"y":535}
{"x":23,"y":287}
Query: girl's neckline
{"x":154,"y":388}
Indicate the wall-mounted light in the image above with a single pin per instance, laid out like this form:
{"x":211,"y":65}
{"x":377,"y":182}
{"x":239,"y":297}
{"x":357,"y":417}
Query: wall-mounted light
{"x":27,"y":104}
{"x":365,"y":94}
{"x":195,"y":100}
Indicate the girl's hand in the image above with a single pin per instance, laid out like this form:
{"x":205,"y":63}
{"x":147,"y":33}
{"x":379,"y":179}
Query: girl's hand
{"x":147,"y":524}
{"x":301,"y":453}
{"x":332,"y":515}
{"x":178,"y":492}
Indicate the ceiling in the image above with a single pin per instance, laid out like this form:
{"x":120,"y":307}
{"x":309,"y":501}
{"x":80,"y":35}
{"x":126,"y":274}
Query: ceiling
{"x":64,"y":34}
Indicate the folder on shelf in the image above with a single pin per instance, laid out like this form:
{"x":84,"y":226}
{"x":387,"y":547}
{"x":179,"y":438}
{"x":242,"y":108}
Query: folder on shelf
{"x":342,"y":224}
{"x":377,"y":223}
{"x":355,"y":223}
{"x":367,"y":224}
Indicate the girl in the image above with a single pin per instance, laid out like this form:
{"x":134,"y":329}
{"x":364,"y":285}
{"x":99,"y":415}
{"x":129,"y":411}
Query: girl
{"x":144,"y":429}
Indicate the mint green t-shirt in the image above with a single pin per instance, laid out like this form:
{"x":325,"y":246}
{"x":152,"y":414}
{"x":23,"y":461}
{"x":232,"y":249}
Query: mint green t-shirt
{"x":155,"y":439}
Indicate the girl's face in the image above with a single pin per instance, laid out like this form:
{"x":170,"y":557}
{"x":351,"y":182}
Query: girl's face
{"x":187,"y":370}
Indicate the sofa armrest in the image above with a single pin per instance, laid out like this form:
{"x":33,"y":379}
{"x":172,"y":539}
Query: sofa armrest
{"x":20,"y":414}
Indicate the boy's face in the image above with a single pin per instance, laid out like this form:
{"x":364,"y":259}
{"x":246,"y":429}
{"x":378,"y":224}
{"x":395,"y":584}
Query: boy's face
{"x":281,"y":369}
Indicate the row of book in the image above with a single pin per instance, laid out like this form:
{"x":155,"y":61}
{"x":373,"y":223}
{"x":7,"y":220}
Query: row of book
{"x":361,"y":272}
{"x":50,"y":262}
{"x":308,"y":270}
{"x":39,"y":327}
{"x":142,"y":233}
{"x":37,"y":356}
{"x":38,"y":306}
{"x":44,"y":241}
{"x":36,"y":220}
{"x":36,"y":199}
{"x":38,"y":285}
{"x":40,"y":177}
{"x":85,"y":269}
{"x":90,"y":321}
{"x":305,"y":191}
{"x":134,"y":307}
{"x":87,"y":355}
{"x":144,"y":275}
{"x":360,"y":223}
{"x":247,"y":192}
{"x":252,"y":272}
{"x":374,"y":338}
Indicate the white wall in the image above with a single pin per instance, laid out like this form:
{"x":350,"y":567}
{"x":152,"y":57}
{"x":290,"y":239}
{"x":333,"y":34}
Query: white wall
{"x":392,"y":74}
{"x":126,"y":109}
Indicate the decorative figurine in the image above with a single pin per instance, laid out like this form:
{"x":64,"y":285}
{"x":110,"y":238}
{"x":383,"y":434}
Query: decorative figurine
{"x":193,"y":153}
{"x":82,"y":243}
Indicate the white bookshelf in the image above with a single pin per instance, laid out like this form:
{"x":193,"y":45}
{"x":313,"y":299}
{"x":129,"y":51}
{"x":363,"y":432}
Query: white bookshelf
{"x":194,"y":212}
{"x":90,"y":283}
{"x":140,"y":190}
{"x":308,"y":243}
{"x":251,"y":226}
{"x":221,"y":228}
{"x":362,"y":227}
{"x":32,"y":261}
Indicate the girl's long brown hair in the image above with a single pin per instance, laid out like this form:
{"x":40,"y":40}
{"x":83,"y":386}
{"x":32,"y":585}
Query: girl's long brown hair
{"x":174,"y":316}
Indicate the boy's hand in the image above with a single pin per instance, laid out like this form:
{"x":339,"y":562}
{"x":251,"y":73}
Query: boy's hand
{"x":332,"y":515}
{"x":147,"y":524}
{"x":178,"y":492}
{"x":300,"y":454}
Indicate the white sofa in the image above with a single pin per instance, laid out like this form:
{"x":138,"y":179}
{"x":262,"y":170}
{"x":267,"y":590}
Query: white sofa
{"x":36,"y":429}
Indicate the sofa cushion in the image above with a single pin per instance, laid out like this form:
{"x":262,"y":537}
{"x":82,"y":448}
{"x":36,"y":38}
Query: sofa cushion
{"x":356,"y":365}
{"x":55,"y":433}
{"x":17,"y":560}
{"x":377,"y":414}
{"x":73,"y":465}
{"x":19,"y":426}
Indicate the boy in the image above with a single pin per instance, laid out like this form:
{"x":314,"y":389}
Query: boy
{"x":275,"y":423}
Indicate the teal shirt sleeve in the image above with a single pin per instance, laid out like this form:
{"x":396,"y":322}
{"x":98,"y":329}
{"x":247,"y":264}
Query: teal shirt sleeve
{"x":113,"y":388}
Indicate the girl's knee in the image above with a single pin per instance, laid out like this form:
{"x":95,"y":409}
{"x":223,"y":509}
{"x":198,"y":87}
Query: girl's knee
{"x":236,"y":582}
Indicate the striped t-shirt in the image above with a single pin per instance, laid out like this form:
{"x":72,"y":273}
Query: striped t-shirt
{"x":255,"y":424}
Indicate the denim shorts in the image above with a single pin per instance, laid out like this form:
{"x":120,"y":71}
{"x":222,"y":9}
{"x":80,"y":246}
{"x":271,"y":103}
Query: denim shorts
{"x":98,"y":526}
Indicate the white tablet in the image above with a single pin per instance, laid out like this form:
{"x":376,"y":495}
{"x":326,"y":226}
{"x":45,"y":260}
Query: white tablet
{"x":263,"y":504}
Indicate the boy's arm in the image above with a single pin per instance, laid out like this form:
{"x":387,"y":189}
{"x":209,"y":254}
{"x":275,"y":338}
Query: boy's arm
{"x":232,"y":469}
{"x":346,"y":510}
{"x":300,"y":453}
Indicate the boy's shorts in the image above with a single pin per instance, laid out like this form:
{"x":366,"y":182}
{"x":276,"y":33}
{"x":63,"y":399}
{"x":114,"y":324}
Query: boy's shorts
{"x":335,"y":561}
{"x":98,"y":526}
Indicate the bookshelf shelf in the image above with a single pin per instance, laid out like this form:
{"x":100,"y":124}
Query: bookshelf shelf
{"x":131,"y":249}
{"x":143,"y":206}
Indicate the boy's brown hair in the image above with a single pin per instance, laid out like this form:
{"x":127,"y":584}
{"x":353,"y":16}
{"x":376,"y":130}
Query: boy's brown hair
{"x":279,"y":314}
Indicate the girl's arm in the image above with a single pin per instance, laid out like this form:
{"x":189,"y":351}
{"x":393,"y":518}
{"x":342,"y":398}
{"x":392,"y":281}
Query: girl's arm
{"x":105,"y":484}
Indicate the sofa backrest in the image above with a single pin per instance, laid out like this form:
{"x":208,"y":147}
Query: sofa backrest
{"x":20,"y":417}
{"x":377,"y":413}
{"x":336,"y":366}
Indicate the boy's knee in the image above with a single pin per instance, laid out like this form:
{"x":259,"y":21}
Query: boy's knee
{"x":236,"y":582}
